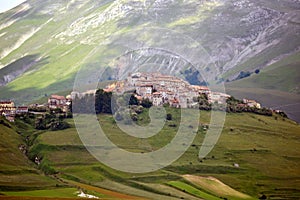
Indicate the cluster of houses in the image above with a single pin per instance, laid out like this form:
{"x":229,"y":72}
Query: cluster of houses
{"x":158,"y":88}
{"x":60,"y":102}
{"x":251,"y":103}
{"x":164,"y":89}
{"x":9,"y":110}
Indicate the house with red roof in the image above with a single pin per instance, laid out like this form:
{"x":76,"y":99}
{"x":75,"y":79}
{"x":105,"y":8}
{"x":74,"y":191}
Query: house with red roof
{"x":56,"y":101}
{"x":7,"y":107}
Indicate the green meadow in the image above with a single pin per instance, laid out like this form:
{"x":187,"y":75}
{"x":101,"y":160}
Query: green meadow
{"x":264,"y":149}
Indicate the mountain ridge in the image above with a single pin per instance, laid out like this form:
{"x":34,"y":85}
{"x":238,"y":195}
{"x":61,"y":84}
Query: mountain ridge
{"x":239,"y":36}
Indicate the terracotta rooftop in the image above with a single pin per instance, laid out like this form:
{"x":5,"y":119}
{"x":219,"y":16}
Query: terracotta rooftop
{"x":108,"y":89}
{"x":147,"y":85}
{"x":156,"y":93}
{"x":174,"y":101}
{"x":6,"y":102}
{"x":199,"y":87}
{"x":58,"y":97}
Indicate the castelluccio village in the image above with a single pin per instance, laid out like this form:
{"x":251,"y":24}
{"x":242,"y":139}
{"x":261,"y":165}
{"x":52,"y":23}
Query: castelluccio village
{"x":150,"y":99}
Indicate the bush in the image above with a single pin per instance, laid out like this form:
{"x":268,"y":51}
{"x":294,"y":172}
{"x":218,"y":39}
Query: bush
{"x":263,"y":197}
{"x":146,"y":103}
{"x":40,"y":123}
{"x":243,"y":75}
{"x":203,"y":102}
{"x":46,"y":168}
{"x":133,"y":100}
{"x":4,"y":122}
{"x":58,"y":125}
{"x":172,"y":125}
{"x":169,"y":117}
{"x":137,"y":109}
{"x":103,"y":102}
{"x":134,"y":116}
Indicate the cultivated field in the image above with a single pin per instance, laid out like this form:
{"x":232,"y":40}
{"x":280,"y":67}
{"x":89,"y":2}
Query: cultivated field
{"x":265,"y":151}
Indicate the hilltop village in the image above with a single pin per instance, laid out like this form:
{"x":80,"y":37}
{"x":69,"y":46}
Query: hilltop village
{"x":158,"y":89}
{"x":165,"y":89}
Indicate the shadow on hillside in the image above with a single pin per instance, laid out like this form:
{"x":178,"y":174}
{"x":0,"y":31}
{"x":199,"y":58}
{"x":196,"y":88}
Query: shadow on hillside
{"x":20,"y":66}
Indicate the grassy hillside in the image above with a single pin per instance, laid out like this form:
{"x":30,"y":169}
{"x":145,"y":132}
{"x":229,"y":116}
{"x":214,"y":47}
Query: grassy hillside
{"x":274,"y":77}
{"x":20,"y":178}
{"x":16,"y":171}
{"x":265,"y":148}
{"x":271,"y":86}
{"x":45,"y":43}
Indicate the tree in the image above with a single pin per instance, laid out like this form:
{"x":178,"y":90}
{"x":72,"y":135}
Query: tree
{"x":84,"y":105}
{"x":243,"y":75}
{"x":203,"y":102}
{"x":103,"y":102}
{"x":133,"y":100}
{"x":146,"y":103}
{"x":233,"y":105}
{"x":257,"y":71}
{"x":169,"y":117}
{"x":263,"y":197}
{"x":40,"y":123}
{"x":134,"y":116}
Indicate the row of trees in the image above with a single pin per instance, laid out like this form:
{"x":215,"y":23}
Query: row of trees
{"x":233,"y":106}
{"x":237,"y":106}
{"x":106,"y":102}
{"x":50,"y":121}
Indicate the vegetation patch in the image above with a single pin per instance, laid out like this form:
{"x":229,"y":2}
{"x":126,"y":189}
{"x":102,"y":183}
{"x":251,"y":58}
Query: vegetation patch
{"x":62,"y":193}
{"x":192,"y":190}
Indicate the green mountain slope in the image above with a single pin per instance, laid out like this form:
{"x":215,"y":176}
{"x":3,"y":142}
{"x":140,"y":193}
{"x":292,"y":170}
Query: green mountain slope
{"x":44,"y":43}
{"x":272,"y":87}
{"x":274,"y":76}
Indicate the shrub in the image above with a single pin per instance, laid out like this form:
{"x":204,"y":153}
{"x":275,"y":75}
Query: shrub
{"x":137,"y":109}
{"x":133,"y":100}
{"x":58,"y":125}
{"x":46,"y":168}
{"x":172,"y":125}
{"x":134,"y":116}
{"x":169,"y":117}
{"x":243,"y":75}
{"x":146,"y":103}
{"x":263,"y":197}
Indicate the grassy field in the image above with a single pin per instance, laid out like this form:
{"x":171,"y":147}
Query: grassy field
{"x":216,"y":187}
{"x":262,"y":146}
{"x":20,"y":178}
{"x":192,"y":190}
{"x":265,"y":148}
{"x":63,"y":193}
